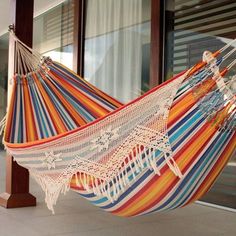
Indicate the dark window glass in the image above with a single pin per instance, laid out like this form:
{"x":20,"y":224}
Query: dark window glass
{"x":191,"y":28}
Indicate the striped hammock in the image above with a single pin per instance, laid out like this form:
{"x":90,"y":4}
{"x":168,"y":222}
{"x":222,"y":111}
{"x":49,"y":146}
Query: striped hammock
{"x":158,"y":152}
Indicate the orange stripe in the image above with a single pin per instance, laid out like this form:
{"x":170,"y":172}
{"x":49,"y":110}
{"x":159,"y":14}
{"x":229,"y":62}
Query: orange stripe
{"x":210,"y":179}
{"x":96,"y":109}
{"x":57,"y":121}
{"x":141,"y":201}
{"x":98,"y":91}
{"x":73,"y":113}
{"x":156,"y":187}
{"x":31,"y":132}
{"x":180,"y":108}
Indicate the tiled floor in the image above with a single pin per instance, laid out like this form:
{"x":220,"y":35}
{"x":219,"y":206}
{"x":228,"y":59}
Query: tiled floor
{"x":76,"y":217}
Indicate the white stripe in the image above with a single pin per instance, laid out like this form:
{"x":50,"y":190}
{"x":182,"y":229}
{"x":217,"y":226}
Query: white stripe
{"x":209,"y":168}
{"x":48,"y":116}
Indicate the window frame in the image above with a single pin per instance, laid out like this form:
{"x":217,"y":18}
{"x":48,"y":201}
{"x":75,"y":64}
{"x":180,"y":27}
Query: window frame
{"x":157,"y":40}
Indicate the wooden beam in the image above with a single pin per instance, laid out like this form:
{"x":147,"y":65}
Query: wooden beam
{"x":156,"y":64}
{"x":17,"y":178}
{"x":79,"y":36}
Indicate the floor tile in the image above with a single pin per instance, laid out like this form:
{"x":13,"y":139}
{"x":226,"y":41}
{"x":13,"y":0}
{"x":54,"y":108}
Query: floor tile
{"x":75,"y":216}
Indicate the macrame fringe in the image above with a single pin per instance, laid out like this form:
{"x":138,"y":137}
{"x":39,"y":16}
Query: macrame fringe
{"x":51,"y":188}
{"x":136,"y":161}
{"x":139,"y":159}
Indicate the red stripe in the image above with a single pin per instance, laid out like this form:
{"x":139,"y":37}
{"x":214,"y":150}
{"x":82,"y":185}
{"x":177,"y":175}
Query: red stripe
{"x":88,"y":86}
{"x":191,"y":141}
{"x":206,"y":179}
{"x":163,"y":170}
{"x":162,"y":196}
{"x":47,"y":140}
{"x":141,"y":191}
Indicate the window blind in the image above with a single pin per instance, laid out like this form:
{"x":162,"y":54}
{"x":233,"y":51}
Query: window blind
{"x":199,"y":25}
{"x":54,"y":29}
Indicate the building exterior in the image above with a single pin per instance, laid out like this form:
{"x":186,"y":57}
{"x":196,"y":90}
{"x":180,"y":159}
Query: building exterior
{"x":125,"y":47}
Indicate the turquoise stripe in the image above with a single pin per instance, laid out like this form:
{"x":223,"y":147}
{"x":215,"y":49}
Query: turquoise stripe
{"x":61,"y":110}
{"x":185,"y":127}
{"x":85,"y":114}
{"x":40,"y":112}
{"x":213,"y":155}
{"x":174,"y":137}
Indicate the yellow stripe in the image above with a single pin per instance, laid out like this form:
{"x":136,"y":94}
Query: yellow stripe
{"x":57,"y":121}
{"x":217,"y":169}
{"x":30,"y":128}
{"x":157,"y":188}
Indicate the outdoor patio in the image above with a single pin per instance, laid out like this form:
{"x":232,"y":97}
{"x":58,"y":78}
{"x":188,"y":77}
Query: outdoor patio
{"x":77,"y":217}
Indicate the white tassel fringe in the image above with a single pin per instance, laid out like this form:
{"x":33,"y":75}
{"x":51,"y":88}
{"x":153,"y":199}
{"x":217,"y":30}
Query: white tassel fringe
{"x":113,"y":188}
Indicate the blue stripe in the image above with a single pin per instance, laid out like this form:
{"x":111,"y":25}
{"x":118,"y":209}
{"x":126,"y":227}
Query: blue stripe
{"x":192,"y":178}
{"x":144,"y":176}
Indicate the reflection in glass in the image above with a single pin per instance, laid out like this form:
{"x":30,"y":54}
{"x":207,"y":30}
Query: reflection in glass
{"x":53,"y":33}
{"x":191,"y":28}
{"x":117,"y":46}
{"x":3,"y":75}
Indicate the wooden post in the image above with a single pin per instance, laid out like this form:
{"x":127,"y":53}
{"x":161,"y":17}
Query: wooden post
{"x":17,"y":178}
{"x":156,"y":64}
{"x":79,"y":34}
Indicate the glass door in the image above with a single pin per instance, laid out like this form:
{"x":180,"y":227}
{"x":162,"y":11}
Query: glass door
{"x":191,"y":28}
{"x":117,"y":46}
{"x":53,"y":33}
{"x":3,"y":76}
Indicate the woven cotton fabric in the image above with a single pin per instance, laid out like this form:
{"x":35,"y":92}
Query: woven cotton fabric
{"x":63,"y":130}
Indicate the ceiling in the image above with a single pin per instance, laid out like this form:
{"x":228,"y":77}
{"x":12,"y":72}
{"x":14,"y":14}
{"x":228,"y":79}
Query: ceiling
{"x":40,"y":6}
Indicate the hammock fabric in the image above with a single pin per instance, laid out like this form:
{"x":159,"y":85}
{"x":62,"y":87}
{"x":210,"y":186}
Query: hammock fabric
{"x":159,"y":152}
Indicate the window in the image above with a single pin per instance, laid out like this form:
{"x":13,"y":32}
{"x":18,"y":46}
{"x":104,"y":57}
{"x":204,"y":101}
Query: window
{"x":53,"y":33}
{"x":195,"y":26}
{"x":191,"y":28}
{"x":117,"y":46}
{"x":53,"y":36}
{"x":3,"y":74}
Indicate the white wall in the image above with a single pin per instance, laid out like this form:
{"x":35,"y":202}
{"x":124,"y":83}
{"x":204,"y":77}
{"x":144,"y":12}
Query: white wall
{"x":40,"y":6}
